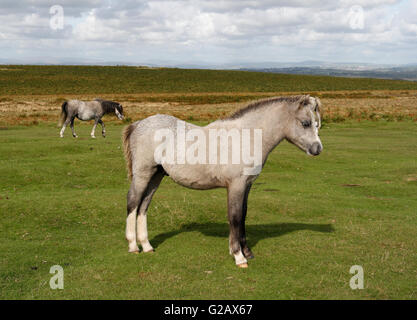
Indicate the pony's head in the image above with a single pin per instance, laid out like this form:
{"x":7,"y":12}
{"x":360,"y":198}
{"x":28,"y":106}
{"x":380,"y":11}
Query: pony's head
{"x":118,"y":110}
{"x":303,"y":125}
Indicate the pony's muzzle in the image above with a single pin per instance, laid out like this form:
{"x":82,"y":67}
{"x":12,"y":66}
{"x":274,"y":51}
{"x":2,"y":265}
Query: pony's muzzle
{"x":315,"y":149}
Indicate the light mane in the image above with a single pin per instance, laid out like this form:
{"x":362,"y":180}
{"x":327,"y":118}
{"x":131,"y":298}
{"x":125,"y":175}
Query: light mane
{"x":254,"y":106}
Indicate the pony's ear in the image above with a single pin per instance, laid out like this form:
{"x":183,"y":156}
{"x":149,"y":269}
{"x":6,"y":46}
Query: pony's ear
{"x":303,"y":101}
{"x":317,"y":107}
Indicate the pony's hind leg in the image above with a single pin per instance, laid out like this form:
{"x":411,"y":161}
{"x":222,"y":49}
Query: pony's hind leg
{"x":134,"y":197}
{"x":72,"y":128}
{"x":67,"y":121}
{"x":142,"y":229}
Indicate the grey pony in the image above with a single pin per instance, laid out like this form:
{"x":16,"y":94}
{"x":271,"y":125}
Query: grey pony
{"x":88,"y":110}
{"x":295,"y":118}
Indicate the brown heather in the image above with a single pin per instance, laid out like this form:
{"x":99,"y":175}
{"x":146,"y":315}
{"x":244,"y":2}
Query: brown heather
{"x":337,"y":106}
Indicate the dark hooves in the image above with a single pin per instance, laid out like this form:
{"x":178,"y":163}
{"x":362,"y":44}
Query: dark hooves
{"x":248,"y":255}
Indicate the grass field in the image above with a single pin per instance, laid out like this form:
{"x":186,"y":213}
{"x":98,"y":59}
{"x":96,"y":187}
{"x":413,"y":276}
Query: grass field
{"x":62,"y":201}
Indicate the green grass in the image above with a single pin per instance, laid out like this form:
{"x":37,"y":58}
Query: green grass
{"x":40,"y":80}
{"x":62,"y":201}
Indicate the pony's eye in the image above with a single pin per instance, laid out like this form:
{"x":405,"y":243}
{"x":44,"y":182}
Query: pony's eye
{"x":306,"y":123}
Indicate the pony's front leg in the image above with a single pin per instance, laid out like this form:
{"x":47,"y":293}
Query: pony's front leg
{"x":94,"y":129}
{"x":245,"y":249}
{"x":103,"y":128}
{"x":235,"y":199}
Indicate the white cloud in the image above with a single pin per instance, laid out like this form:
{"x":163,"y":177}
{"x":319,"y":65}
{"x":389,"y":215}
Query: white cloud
{"x":216,"y":30}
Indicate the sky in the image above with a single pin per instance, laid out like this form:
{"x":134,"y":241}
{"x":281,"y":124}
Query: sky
{"x":208,"y":31}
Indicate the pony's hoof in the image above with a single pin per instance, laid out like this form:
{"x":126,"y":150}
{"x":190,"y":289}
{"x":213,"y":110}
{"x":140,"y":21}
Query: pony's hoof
{"x":133,"y":248}
{"x":149,"y":251}
{"x":249,"y":255}
{"x":243,"y":265}
{"x":93,"y":137}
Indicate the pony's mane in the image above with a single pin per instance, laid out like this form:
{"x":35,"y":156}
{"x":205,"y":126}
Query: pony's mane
{"x":107,"y":105}
{"x":266,"y":102}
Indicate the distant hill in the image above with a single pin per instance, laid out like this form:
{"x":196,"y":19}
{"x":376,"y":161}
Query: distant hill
{"x":308,"y":67}
{"x":74,"y":80}
{"x":395,"y":73}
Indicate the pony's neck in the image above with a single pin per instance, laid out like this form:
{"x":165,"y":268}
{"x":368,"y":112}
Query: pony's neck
{"x":272,"y":120}
{"x":108,"y":109}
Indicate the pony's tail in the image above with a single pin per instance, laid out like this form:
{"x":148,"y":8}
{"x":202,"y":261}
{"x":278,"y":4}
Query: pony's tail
{"x":126,"y":147}
{"x":64,"y":113}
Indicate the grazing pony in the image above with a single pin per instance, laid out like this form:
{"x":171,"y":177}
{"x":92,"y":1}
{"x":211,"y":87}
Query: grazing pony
{"x":88,"y":110}
{"x":296,"y":119}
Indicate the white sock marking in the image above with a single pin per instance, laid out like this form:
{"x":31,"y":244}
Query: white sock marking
{"x":143,"y":233}
{"x":131,"y":231}
{"x":240,"y":258}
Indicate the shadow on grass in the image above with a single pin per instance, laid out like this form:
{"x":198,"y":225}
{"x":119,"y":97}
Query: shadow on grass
{"x":254,"y":233}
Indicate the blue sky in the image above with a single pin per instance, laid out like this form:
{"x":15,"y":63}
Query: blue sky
{"x":212,"y":32}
